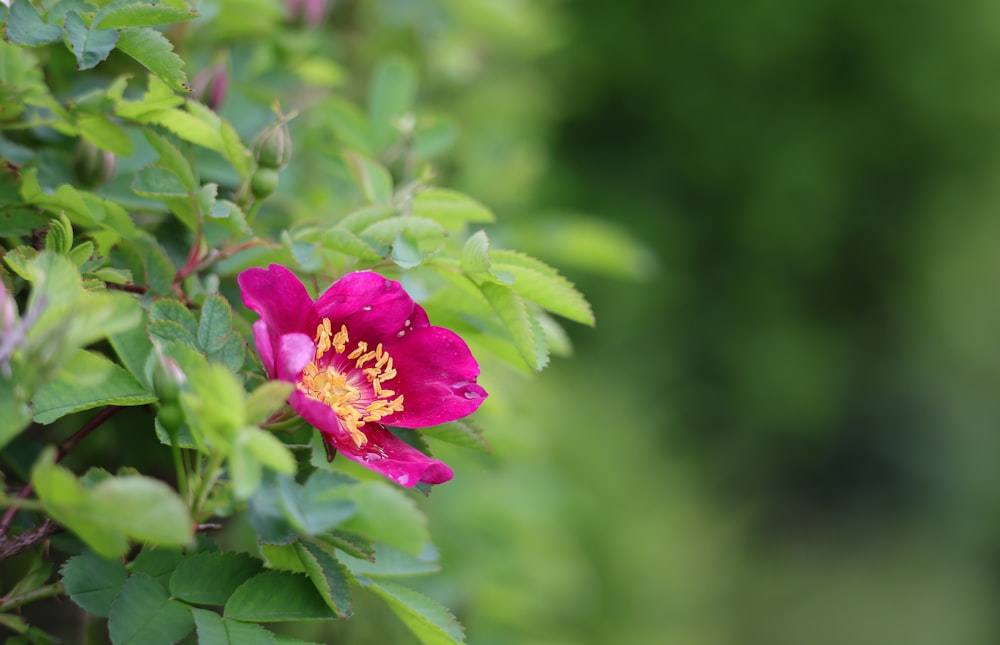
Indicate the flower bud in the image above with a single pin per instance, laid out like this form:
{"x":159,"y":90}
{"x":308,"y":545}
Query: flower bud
{"x":167,"y":379}
{"x":210,"y":85}
{"x":264,"y":182}
{"x":92,"y":165}
{"x":273,"y":147}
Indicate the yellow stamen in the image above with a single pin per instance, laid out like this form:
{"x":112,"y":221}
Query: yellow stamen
{"x":327,"y":385}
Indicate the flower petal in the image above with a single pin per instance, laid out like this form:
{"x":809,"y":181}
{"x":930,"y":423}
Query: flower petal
{"x":372,"y":307}
{"x":390,"y":456}
{"x":436,"y":374}
{"x":281,"y":300}
{"x":294,"y":352}
{"x":384,"y":453}
{"x":262,"y":340}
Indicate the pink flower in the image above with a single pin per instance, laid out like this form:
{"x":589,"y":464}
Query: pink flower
{"x":363,"y":356}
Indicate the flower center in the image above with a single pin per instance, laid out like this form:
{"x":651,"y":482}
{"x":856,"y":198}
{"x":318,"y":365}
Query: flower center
{"x":343,"y":382}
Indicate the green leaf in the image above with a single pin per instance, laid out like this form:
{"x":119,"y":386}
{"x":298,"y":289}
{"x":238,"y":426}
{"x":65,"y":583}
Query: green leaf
{"x":143,"y":614}
{"x":87,"y":381}
{"x":156,"y":181}
{"x":158,"y":564}
{"x":514,"y":316}
{"x":168,"y":331}
{"x":216,"y":323}
{"x":450,"y":209}
{"x":90,"y":46}
{"x":461,"y":433}
{"x":353,"y":545}
{"x":319,"y":504}
{"x":277,"y":596}
{"x":372,"y":178}
{"x":174,"y":311}
{"x":349,"y":124}
{"x":14,"y":412}
{"x":330,"y":577}
{"x":430,"y":621}
{"x":214,"y":404}
{"x":159,"y":96}
{"x":211,"y":578}
{"x":188,"y":127}
{"x":105,"y":134}
{"x":541,"y":284}
{"x":134,"y":13}
{"x":112,"y":511}
{"x":21,"y":81}
{"x":344,"y":241}
{"x":231,"y":354}
{"x":393,"y":562}
{"x":476,"y":254}
{"x":173,"y":160}
{"x":26,"y":27}
{"x":391,"y":95}
{"x":59,"y":237}
{"x":152,"y":50}
{"x":214,"y":630}
{"x":93,"y":582}
{"x":266,"y":399}
{"x":386,"y":514}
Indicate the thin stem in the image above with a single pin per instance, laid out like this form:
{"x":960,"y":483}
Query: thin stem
{"x":209,"y":477}
{"x":48,"y":591}
{"x":22,"y":504}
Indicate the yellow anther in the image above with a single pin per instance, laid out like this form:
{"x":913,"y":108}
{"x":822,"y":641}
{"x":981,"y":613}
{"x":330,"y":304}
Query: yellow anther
{"x":340,"y":340}
{"x":364,"y":358}
{"x":361,"y":349}
{"x":322,"y":338}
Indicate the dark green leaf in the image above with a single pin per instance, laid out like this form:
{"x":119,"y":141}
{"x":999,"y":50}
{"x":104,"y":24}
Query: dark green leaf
{"x":214,"y":630}
{"x":26,"y":27}
{"x":168,"y":331}
{"x":267,"y":516}
{"x":143,"y":614}
{"x":231,"y":354}
{"x":88,"y":380}
{"x":330,"y":578}
{"x":277,"y":596}
{"x":175,"y":311}
{"x":216,"y":323}
{"x":157,"y":563}
{"x":90,"y":46}
{"x":211,"y":578}
{"x":154,"y":52}
{"x":93,"y":582}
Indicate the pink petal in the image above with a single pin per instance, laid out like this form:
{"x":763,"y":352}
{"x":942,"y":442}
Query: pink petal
{"x":262,"y":340}
{"x":436,"y":374}
{"x":372,"y":307}
{"x":320,"y":416}
{"x":390,"y":456}
{"x":294,"y":352}
{"x":281,"y":300}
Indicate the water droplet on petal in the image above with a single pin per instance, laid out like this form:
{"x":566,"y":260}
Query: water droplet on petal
{"x":472,"y":394}
{"x":367,"y":307}
{"x":401,"y":333}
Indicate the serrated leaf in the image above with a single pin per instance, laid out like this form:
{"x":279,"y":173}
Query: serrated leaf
{"x":386,"y":514}
{"x":344,"y":241}
{"x":277,"y":596}
{"x":167,"y":331}
{"x":133,"y":13}
{"x":216,"y":322}
{"x":330,"y":577}
{"x":175,"y":311}
{"x":213,"y":630}
{"x":211,"y":578}
{"x":372,"y":179}
{"x":105,"y":134}
{"x":393,"y":562}
{"x":153,"y":51}
{"x":231,"y":354}
{"x":514,"y":316}
{"x":155,"y":182}
{"x":143,"y":614}
{"x":540,"y":283}
{"x":93,"y":582}
{"x":26,"y":27}
{"x":450,"y":209}
{"x":87,"y":381}
{"x":156,"y":563}
{"x":188,"y":127}
{"x":462,"y":433}
{"x":476,"y":254}
{"x":172,"y":159}
{"x":90,"y":46}
{"x":267,"y":516}
{"x":430,"y":621}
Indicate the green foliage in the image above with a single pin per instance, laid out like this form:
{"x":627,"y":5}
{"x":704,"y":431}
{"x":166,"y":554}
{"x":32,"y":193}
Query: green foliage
{"x":128,"y":208}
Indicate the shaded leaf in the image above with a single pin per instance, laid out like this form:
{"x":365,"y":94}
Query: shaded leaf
{"x":90,"y":46}
{"x":93,"y":582}
{"x":211,"y":578}
{"x":277,"y":596}
{"x":330,"y":577}
{"x":26,"y":27}
{"x":213,"y":630}
{"x":143,"y":614}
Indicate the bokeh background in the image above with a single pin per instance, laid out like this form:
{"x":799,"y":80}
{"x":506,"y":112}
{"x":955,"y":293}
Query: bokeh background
{"x":783,"y":429}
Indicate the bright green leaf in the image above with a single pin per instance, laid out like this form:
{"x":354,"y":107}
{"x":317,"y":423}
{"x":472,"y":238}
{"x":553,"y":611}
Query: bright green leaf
{"x":430,"y":621}
{"x":372,"y":179}
{"x":514,"y":316}
{"x":543,"y":285}
{"x":450,"y":209}
{"x":154,"y":52}
{"x":87,"y":381}
{"x":105,"y":134}
{"x":266,"y":399}
{"x":134,"y":13}
{"x":476,"y":254}
{"x":143,"y":614}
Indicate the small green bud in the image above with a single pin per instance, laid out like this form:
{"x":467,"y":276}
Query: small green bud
{"x":171,"y":417}
{"x":273,"y":146}
{"x":264,"y":182}
{"x":167,"y":380}
{"x":92,"y":165}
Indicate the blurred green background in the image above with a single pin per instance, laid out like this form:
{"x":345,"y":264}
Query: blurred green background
{"x":783,"y":428}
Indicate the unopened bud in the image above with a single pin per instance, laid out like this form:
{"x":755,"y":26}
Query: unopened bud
{"x":167,"y":379}
{"x":264,"y":182}
{"x":210,"y":85}
{"x":273,"y":146}
{"x":92,"y":165}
